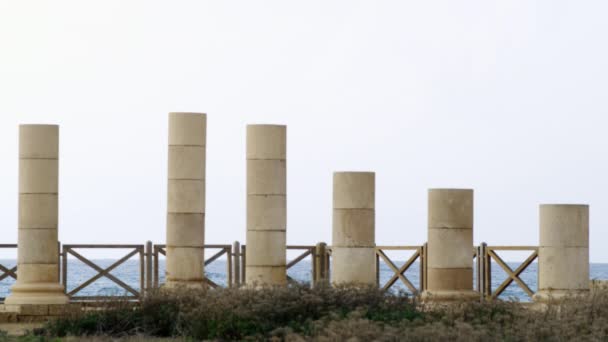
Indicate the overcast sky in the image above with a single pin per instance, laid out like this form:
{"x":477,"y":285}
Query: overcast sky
{"x":505,"y":97}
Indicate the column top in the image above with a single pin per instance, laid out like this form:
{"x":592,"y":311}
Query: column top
{"x":361,"y":173}
{"x":267,"y":142}
{"x":187,"y":114}
{"x":187,"y":129}
{"x":354,"y":190}
{"x":450,"y":208}
{"x":39,"y":141}
{"x":450,"y":189}
{"x":564,"y":205}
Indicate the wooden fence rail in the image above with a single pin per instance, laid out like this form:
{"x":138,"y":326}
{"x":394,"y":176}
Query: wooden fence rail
{"x":399,"y":272}
{"x":490,"y":253}
{"x":130,"y":292}
{"x":319,"y":256}
{"x":7,"y":270}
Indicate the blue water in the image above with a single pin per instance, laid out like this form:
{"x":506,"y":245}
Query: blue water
{"x":129,"y":272}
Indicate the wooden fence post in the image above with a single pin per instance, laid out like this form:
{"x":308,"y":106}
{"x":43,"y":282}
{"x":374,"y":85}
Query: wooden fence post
{"x":149,"y":275}
{"x":236,"y":257}
{"x":320,"y":262}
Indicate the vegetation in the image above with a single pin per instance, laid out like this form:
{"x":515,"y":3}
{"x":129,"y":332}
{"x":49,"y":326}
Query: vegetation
{"x":298,"y":313}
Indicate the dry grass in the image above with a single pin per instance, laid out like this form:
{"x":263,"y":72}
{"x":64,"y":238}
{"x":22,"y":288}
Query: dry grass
{"x":298,"y":313}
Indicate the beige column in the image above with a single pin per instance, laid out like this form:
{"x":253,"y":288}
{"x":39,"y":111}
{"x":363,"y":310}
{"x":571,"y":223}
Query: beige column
{"x":38,"y":251}
{"x":266,"y":205}
{"x":563,"y":255}
{"x":354,"y":240}
{"x":186,"y":199}
{"x":450,"y":245}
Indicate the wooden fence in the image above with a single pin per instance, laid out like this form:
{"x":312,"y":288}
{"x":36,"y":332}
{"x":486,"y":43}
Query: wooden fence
{"x":319,"y":257}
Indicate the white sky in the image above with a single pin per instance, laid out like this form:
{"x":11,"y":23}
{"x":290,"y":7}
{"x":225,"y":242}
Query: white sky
{"x":506,"y":97}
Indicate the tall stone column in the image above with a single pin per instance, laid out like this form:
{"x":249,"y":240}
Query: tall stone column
{"x":266,"y":205}
{"x":186,"y":199}
{"x":563,"y":255}
{"x":38,"y":250}
{"x":354,"y":240}
{"x":450,"y":245}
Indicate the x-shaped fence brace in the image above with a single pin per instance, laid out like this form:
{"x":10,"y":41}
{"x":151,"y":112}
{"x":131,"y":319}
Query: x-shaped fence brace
{"x":308,"y":251}
{"x":102,"y":272}
{"x":399,"y":272}
{"x":512,"y":275}
{"x":224,"y":249}
{"x":8,"y":272}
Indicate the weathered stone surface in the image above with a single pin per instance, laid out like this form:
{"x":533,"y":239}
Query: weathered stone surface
{"x":39,"y":141}
{"x":266,"y":177}
{"x":266,"y":205}
{"x":449,"y":248}
{"x":564,"y":225}
{"x":354,"y":265}
{"x":563,"y":268}
{"x":38,"y":211}
{"x":563,"y":255}
{"x":42,"y":246}
{"x":266,"y":275}
{"x":186,"y":162}
{"x":450,"y":279}
{"x":354,"y":190}
{"x":266,"y":142}
{"x":187,"y":129}
{"x":450,"y":208}
{"x":36,"y":293}
{"x":185,"y":230}
{"x":354,"y":228}
{"x":267,"y":212}
{"x":185,"y":264}
{"x":38,"y":273}
{"x":354,"y":233}
{"x":186,"y":199}
{"x":186,"y":196}
{"x":38,"y":176}
{"x":38,"y":262}
{"x":266,"y":248}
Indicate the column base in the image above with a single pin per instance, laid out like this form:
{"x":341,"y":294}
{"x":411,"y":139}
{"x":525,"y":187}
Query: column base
{"x":188,"y":284}
{"x":37,"y":293}
{"x":545,"y":296}
{"x":449,"y":296}
{"x":261,"y":276}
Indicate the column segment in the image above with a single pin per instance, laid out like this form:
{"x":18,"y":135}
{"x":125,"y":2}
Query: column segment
{"x":353,"y":240}
{"x":266,"y":205}
{"x":186,"y":199}
{"x":38,"y":250}
{"x":450,"y":245}
{"x":563,"y":255}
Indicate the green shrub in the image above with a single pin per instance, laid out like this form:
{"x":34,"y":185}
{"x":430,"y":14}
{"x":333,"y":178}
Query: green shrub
{"x":298,"y":313}
{"x":236,"y":313}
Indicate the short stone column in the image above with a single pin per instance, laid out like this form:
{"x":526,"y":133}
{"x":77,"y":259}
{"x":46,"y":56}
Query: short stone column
{"x":186,"y":199}
{"x":354,"y":241}
{"x":450,"y":245}
{"x":563,"y":254}
{"x":266,"y":205}
{"x":38,"y":250}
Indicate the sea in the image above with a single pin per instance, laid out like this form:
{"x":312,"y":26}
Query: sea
{"x":129,"y":273}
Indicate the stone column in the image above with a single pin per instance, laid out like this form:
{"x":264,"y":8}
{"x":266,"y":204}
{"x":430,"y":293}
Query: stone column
{"x":354,"y":240}
{"x":563,"y":255}
{"x":186,"y":199}
{"x":38,"y":251}
{"x":450,"y":245}
{"x":266,"y":205}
